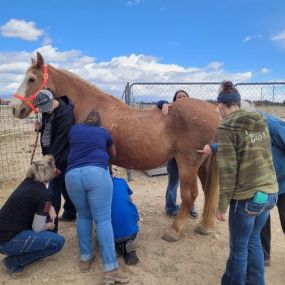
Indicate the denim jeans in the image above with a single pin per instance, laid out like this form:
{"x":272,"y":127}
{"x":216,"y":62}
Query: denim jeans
{"x":57,"y":187}
{"x":245,"y":264}
{"x":266,"y":231}
{"x":29,"y":246}
{"x":171,"y":207}
{"x":91,"y":188}
{"x":171,"y":192}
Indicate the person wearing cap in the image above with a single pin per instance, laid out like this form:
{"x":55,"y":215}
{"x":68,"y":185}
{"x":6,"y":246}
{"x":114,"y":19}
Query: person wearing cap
{"x":248,"y":185}
{"x":25,"y":235}
{"x":171,"y":207}
{"x":57,"y":119}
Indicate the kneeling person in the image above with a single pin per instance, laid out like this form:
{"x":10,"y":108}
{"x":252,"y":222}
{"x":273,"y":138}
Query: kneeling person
{"x":124,"y":220}
{"x":24,"y":235}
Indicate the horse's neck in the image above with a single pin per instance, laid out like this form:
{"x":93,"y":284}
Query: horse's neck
{"x":85,"y":96}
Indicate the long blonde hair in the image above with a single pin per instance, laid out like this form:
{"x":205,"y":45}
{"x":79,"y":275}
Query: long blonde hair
{"x":42,"y":170}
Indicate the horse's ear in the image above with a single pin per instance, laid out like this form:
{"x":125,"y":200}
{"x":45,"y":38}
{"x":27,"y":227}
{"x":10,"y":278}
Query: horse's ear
{"x":33,"y":61}
{"x":40,"y":60}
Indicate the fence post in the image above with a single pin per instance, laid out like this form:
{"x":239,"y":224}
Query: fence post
{"x":127,"y":94}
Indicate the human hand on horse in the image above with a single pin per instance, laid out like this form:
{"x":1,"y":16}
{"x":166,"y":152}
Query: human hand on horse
{"x":165,"y":109}
{"x":221,"y":216}
{"x":206,"y":150}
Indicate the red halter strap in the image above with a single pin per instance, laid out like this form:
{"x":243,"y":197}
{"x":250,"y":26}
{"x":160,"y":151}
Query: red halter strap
{"x":29,"y":100}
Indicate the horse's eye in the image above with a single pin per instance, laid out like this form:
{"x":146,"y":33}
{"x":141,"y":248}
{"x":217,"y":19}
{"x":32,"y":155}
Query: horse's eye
{"x":31,"y":80}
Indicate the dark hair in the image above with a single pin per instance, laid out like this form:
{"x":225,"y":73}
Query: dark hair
{"x":93,"y":118}
{"x":176,"y":93}
{"x":227,"y":89}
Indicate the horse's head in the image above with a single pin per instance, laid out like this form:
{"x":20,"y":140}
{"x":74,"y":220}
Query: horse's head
{"x":36,"y":78}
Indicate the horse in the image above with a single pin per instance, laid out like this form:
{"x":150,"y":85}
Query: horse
{"x":144,"y":139}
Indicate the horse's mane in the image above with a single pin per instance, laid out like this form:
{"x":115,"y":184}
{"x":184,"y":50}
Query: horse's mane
{"x":77,"y":77}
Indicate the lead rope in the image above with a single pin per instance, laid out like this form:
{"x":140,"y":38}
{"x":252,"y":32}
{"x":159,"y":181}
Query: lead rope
{"x":36,"y":142}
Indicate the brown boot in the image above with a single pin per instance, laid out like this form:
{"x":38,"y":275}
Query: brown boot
{"x":85,"y":266}
{"x":116,"y":276}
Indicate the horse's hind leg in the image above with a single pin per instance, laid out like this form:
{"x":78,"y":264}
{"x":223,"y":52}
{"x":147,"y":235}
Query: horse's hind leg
{"x":208,"y":174}
{"x":189,"y":192}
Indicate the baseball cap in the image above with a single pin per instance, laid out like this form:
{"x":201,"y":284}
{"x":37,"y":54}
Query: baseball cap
{"x":44,"y":101}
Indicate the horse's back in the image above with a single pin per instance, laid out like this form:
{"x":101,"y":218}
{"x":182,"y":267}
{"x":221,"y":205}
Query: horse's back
{"x":193,"y":120}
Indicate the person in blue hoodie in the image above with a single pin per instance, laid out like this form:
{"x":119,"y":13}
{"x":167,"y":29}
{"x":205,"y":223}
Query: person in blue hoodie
{"x":276,"y":128}
{"x":57,"y":119}
{"x":125,"y":219}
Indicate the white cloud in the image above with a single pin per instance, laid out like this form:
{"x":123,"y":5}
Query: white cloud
{"x":264,"y":70}
{"x":252,"y":37}
{"x":215,"y":65}
{"x":279,"y":37}
{"x":111,"y":76}
{"x":134,"y":2}
{"x":22,"y":29}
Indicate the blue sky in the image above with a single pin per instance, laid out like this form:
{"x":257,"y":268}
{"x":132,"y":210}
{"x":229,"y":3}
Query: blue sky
{"x":111,"y":42}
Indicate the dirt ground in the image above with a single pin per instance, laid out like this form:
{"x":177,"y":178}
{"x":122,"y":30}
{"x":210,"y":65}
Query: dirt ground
{"x":193,"y":260}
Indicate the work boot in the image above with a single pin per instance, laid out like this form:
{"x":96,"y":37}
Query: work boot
{"x":130,"y":255}
{"x":85,"y":266}
{"x":116,"y":276}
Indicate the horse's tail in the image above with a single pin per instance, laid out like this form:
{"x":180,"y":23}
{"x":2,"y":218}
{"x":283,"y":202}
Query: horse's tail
{"x":211,"y":191}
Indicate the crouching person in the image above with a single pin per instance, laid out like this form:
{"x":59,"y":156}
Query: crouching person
{"x":24,"y":230}
{"x":124,"y":220}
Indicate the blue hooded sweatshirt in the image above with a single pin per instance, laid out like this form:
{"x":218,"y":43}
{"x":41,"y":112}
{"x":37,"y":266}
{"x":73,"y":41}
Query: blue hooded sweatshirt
{"x":125,"y":215}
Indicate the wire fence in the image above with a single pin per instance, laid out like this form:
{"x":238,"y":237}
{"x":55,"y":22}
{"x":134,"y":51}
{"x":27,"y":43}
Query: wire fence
{"x":17,"y":140}
{"x":140,"y":95}
{"x":17,"y":137}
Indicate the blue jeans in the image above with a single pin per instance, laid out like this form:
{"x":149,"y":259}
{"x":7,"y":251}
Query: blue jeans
{"x":91,"y":188}
{"x":29,"y":246}
{"x":245,"y":264}
{"x":171,"y":207}
{"x":171,"y":192}
{"x":57,"y":187}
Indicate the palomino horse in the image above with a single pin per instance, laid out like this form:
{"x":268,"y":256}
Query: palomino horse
{"x":144,"y":139}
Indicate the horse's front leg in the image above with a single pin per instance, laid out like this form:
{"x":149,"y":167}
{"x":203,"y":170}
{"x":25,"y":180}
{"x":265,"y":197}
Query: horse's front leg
{"x":189,"y":192}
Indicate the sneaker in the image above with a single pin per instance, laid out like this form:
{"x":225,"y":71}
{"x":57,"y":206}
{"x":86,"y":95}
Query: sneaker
{"x":14,"y":275}
{"x":116,"y":276}
{"x":85,"y":266}
{"x":266,"y":262}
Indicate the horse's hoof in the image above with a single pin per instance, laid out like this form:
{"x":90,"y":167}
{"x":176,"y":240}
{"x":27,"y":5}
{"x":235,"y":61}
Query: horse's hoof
{"x":170,"y":236}
{"x":203,"y":231}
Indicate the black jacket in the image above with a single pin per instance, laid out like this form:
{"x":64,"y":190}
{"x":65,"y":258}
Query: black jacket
{"x":61,"y":123}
